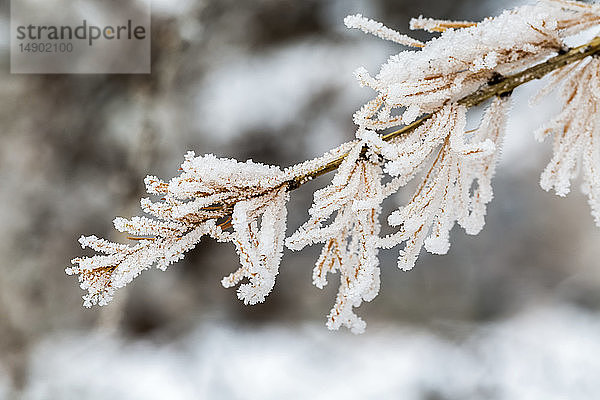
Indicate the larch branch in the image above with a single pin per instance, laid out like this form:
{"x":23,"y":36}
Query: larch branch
{"x":500,"y":87}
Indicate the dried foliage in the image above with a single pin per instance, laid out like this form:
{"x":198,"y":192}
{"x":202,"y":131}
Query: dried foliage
{"x":245,"y":203}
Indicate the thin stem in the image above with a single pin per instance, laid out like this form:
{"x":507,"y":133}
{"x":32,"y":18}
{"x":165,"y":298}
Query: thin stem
{"x":501,"y":87}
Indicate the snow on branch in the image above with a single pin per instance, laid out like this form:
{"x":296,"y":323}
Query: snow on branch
{"x":378,"y":29}
{"x":424,"y":95}
{"x":438,"y":25}
{"x":576,"y":132}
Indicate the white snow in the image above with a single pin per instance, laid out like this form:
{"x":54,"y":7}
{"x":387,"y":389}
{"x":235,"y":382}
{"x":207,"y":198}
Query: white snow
{"x":548,"y":353}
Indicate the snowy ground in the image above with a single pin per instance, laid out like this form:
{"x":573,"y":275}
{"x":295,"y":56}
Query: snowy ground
{"x":546,"y":353}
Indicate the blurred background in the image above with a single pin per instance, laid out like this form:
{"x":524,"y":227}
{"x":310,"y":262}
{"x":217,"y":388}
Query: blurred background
{"x":510,"y":314}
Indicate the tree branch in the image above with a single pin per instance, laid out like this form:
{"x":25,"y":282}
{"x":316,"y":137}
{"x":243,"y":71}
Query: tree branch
{"x":502,"y":86}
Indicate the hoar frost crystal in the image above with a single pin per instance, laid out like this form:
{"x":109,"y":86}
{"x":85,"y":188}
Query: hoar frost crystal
{"x":245,"y":202}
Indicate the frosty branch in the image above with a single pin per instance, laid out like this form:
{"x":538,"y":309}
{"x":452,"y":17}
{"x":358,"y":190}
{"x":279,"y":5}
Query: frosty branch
{"x":498,"y":87}
{"x":422,"y":97}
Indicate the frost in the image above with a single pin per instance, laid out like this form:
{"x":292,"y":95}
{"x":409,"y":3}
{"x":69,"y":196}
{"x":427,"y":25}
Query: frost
{"x":443,"y":197}
{"x":350,"y":240}
{"x":461,"y":60}
{"x":423,"y":93}
{"x":437,"y":25}
{"x":378,"y":29}
{"x":206,"y":192}
{"x":576,"y":132}
{"x":260,"y":248}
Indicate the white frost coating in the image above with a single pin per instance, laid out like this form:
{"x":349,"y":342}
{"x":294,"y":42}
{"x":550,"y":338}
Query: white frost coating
{"x":437,"y":25}
{"x":260,"y":248}
{"x":309,"y":166}
{"x":350,"y":240}
{"x":573,"y":5}
{"x":100,"y":275}
{"x":206,"y":191}
{"x":460,"y":60}
{"x":444,"y":198}
{"x":576,"y":132}
{"x":378,"y":29}
{"x":245,"y":202}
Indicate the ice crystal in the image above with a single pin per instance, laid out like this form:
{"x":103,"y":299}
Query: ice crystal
{"x":208,"y":190}
{"x":576,"y":132}
{"x":444,"y":196}
{"x":260,"y":248}
{"x":350,"y":240}
{"x":378,"y":29}
{"x":245,"y":202}
{"x":437,"y":25}
{"x":460,"y":60}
